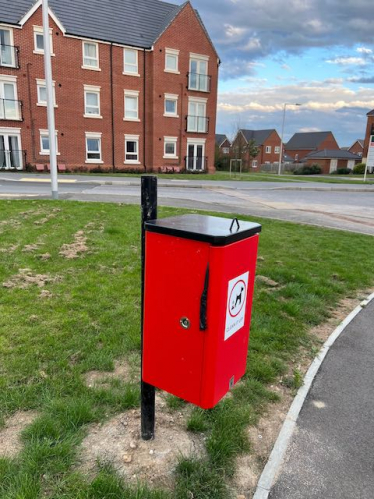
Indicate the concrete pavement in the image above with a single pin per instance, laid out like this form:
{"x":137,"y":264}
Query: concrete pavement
{"x":331,"y":453}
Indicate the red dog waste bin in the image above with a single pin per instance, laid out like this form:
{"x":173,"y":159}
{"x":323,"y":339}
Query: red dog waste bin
{"x":199,"y":278}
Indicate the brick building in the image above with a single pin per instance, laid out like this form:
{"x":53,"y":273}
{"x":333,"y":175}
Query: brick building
{"x":223,"y":144}
{"x":332,"y":160}
{"x":267,"y":141}
{"x":357,"y":147}
{"x":369,"y":133}
{"x":302,"y":144}
{"x":135,"y":85}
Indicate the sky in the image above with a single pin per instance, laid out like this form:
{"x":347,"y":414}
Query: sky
{"x":317,"y":53}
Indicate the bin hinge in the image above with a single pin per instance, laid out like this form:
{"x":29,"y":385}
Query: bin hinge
{"x":204,"y":303}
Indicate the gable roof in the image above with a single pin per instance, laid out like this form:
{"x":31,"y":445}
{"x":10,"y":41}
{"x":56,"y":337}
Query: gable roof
{"x":259,"y":136}
{"x":370,"y":113}
{"x":137,"y":23}
{"x":360,"y":141}
{"x":306,"y":140}
{"x":333,"y":154}
{"x":220,"y":139}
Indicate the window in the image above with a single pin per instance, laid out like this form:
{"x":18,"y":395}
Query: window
{"x":225,"y":150}
{"x":91,"y":56}
{"x":197,"y":120}
{"x":10,"y":107}
{"x":171,"y":105}
{"x":7,"y":50}
{"x":170,"y":147}
{"x":91,"y":102}
{"x":171,"y":61}
{"x":44,"y":143}
{"x":93,"y":147}
{"x":132,"y":149}
{"x":130,"y":57}
{"x":42,"y":93}
{"x":198,"y":76}
{"x":131,"y":105}
{"x":39,"y":40}
{"x":268,"y":149}
{"x":277,"y":149}
{"x":254,"y":163}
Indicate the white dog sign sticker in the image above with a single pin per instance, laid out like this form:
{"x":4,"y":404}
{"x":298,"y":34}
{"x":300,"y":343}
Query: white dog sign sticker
{"x":236,"y":304}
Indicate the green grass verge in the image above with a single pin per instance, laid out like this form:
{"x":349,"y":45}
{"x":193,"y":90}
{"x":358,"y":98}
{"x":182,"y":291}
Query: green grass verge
{"x":91,"y":318}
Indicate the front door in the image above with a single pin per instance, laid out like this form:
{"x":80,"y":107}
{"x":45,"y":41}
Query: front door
{"x":10,"y":153}
{"x":333,"y":165}
{"x":195,"y":158}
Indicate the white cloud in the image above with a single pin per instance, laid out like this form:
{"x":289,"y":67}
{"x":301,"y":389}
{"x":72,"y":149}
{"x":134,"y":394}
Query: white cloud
{"x":364,"y":50}
{"x":344,"y":61}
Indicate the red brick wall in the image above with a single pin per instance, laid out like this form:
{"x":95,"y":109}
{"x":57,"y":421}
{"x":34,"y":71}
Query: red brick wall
{"x":369,"y":125}
{"x":328,"y":143}
{"x":185,"y":34}
{"x":357,"y":148}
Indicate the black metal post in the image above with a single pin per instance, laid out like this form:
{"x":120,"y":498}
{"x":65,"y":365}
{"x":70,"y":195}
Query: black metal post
{"x":149,"y":212}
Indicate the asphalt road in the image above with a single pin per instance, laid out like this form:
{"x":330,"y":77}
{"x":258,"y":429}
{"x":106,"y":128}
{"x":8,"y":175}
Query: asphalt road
{"x":331,"y":452}
{"x":346,"y":207}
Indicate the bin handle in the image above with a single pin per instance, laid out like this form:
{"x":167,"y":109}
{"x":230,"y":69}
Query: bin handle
{"x":232,"y":224}
{"x":204,"y":303}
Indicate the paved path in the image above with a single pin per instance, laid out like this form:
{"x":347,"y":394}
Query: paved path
{"x":344,"y":207}
{"x":331,"y":454}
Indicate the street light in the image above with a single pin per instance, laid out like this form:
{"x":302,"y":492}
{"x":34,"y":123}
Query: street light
{"x":281,"y":146}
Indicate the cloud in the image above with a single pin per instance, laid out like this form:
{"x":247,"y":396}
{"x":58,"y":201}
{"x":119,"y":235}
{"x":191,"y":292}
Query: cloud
{"x":364,"y":50}
{"x":363,"y":79}
{"x":344,"y":61}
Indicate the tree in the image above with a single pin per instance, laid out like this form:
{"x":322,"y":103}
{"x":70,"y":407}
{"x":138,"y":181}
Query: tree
{"x":252,"y":149}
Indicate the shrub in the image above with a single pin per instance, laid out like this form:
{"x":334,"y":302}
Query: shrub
{"x":308,"y":170}
{"x":359,"y":169}
{"x":341,"y":171}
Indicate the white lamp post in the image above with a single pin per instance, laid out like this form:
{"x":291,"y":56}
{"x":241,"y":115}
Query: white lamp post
{"x":50,"y":100}
{"x":281,"y":146}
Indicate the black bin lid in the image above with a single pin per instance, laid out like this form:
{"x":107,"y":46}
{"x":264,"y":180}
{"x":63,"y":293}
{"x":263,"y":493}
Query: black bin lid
{"x":214,"y":230}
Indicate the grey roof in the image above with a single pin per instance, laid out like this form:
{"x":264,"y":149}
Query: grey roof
{"x":259,"y":136}
{"x":306,"y":140}
{"x":333,"y":154}
{"x":137,"y":23}
{"x":371,"y":113}
{"x":220,"y":139}
{"x":360,"y":141}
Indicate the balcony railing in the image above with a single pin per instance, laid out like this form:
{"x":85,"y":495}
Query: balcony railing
{"x":197,"y":124}
{"x":12,"y":160}
{"x":199,"y":82}
{"x":196,"y":163}
{"x":10,"y":109}
{"x":9,"y":56}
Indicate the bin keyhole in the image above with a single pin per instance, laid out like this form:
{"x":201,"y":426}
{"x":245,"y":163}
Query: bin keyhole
{"x":185,"y":323}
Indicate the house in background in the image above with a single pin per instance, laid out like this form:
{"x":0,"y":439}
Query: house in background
{"x":357,"y":147}
{"x":369,"y":133}
{"x":331,"y":160}
{"x":302,"y":144}
{"x":223,"y":144}
{"x":134,"y":88}
{"x":267,"y":141}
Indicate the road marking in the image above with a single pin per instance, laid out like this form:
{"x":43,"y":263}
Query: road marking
{"x":4,"y":195}
{"x":47,"y":180}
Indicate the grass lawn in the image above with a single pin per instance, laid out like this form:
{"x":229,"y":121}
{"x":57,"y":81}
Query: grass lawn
{"x":61,"y":318}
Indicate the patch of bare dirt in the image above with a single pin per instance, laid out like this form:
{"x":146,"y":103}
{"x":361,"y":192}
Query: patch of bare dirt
{"x":9,"y":249}
{"x":118,"y":442}
{"x":128,"y":372}
{"x":48,"y":217}
{"x":10,"y":442}
{"x":26,"y":278}
{"x":44,"y":257}
{"x":267,"y":281}
{"x":76,"y":248}
{"x":44,"y":293}
{"x":29,"y":248}
{"x":263,"y":436}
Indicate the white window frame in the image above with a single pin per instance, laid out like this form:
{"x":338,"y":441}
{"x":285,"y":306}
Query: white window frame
{"x":13,"y":64}
{"x":136,"y":66}
{"x":9,"y":79}
{"x":40,"y":84}
{"x":254,"y":163}
{"x":197,"y":100}
{"x":97,"y":59}
{"x":132,"y":138}
{"x":98,"y":136}
{"x":92,"y":89}
{"x":46,"y":152}
{"x":38,"y":30}
{"x":174,"y":141}
{"x":135,"y":95}
{"x":174,"y":98}
{"x":199,"y":59}
{"x":225,"y":150}
{"x":268,"y":150}
{"x":277,"y":149}
{"x":173,"y":53}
